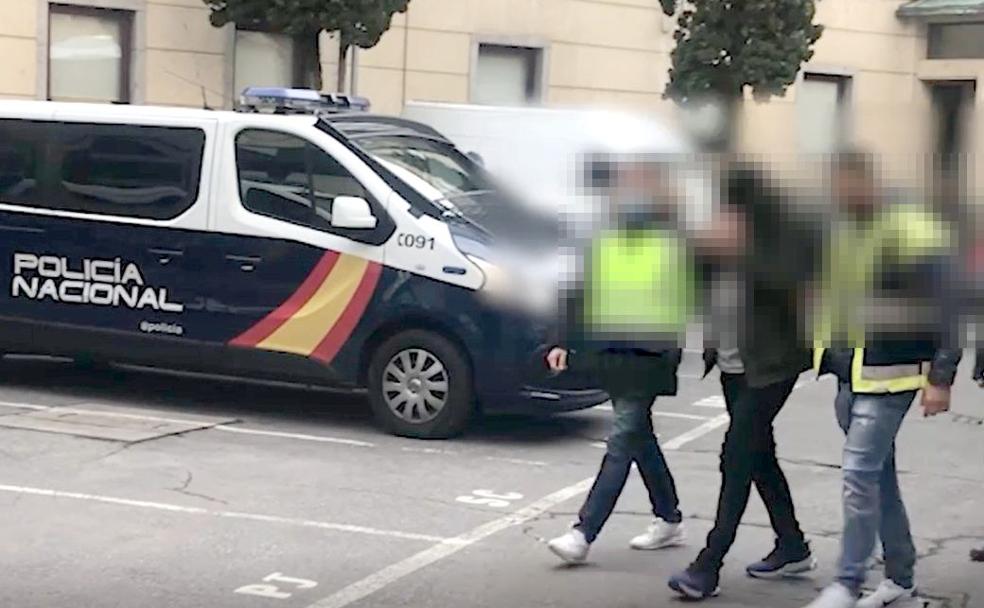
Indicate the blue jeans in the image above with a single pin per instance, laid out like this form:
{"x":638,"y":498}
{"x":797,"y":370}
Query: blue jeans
{"x":632,"y":440}
{"x":873,"y":505}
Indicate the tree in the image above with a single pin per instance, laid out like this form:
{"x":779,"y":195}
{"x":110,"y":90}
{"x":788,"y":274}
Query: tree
{"x":358,"y":23}
{"x":724,"y":46}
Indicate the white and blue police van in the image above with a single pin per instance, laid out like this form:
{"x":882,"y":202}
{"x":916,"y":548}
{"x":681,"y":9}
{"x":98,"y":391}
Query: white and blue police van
{"x":299,"y":238}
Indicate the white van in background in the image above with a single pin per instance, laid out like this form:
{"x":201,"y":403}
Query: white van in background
{"x":540,"y":152}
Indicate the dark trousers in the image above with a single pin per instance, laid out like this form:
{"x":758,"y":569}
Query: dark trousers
{"x":749,"y":456}
{"x":632,"y":440}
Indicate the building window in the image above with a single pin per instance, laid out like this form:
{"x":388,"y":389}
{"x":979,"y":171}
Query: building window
{"x":956,"y":41}
{"x":89,"y":54}
{"x":508,"y":75}
{"x":263,"y":59}
{"x":821,"y":108}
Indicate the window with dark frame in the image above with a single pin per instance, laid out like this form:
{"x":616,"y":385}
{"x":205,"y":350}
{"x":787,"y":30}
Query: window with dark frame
{"x":101,"y":169}
{"x":21,"y":159}
{"x":288,"y":178}
{"x":89,"y":54}
{"x":263,"y":58}
{"x":822,"y":111}
{"x":956,"y":41}
{"x":508,"y":75}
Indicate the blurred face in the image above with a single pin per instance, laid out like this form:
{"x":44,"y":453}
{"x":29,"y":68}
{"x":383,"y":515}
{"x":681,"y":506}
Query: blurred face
{"x":644,"y":188}
{"x":855,"y":191}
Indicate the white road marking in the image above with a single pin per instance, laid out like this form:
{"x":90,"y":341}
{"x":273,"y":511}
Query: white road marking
{"x":300,"y":436}
{"x":519,"y":461}
{"x":273,"y":519}
{"x":109,"y":414}
{"x":378,"y":580}
{"x":488,"y":498}
{"x":25,"y":406}
{"x":682,"y":416}
{"x":383,"y":578}
{"x":219,"y":427}
{"x":662,"y":414}
{"x":429,"y":451}
{"x":696,"y":433}
{"x":273,"y":591}
{"x":715,"y":401}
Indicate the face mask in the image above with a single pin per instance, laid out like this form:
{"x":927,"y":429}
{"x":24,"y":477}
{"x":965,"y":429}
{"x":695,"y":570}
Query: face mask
{"x":638,"y":219}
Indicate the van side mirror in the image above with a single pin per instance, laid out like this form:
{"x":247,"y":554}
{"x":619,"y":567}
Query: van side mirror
{"x":476,"y":158}
{"x":352,"y":212}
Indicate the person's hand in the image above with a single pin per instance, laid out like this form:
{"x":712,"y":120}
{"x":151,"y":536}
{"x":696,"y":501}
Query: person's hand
{"x":726,"y":236}
{"x":935,"y":400}
{"x":557,"y":359}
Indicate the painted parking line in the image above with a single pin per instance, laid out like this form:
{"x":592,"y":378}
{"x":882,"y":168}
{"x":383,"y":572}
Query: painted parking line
{"x":221,"y":427}
{"x":401,"y":569}
{"x":715,"y":401}
{"x":273,"y":519}
{"x":24,"y":406}
{"x":298,"y":436}
{"x":663,"y":414}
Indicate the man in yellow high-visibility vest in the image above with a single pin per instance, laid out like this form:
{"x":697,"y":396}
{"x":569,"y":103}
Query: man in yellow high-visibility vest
{"x":623,"y":321}
{"x":887,"y":330}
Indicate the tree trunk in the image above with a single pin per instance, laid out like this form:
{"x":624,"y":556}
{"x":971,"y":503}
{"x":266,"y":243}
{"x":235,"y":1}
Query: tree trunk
{"x":729,"y":133}
{"x":343,"y":49}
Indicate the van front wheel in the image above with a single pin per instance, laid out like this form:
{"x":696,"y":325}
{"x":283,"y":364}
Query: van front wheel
{"x":420,"y":386}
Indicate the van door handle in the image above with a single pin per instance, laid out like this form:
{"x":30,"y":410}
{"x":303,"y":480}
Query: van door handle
{"x":247,"y":263}
{"x":164,"y":256}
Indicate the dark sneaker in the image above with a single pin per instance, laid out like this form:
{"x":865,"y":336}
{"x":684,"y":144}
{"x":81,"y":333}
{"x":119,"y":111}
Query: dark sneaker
{"x":695,"y":584}
{"x":782,"y":563}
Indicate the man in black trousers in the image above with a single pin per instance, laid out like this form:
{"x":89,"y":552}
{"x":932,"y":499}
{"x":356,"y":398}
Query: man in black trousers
{"x":757,"y":342}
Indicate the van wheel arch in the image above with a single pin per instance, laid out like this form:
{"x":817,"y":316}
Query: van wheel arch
{"x":404,"y":366}
{"x":390,"y":329}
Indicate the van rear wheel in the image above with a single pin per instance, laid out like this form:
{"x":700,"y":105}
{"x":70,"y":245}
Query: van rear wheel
{"x":420,"y":385}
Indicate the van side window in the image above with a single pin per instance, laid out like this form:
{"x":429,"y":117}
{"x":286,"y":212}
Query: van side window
{"x":104,"y":169}
{"x":20,"y":160}
{"x":289,"y":178}
{"x":133,"y":171}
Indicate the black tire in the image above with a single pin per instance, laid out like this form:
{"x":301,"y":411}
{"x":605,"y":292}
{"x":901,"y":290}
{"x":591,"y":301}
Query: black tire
{"x":432,"y":423}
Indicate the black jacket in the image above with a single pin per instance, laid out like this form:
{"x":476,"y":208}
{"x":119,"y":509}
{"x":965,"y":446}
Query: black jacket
{"x":780,"y":258}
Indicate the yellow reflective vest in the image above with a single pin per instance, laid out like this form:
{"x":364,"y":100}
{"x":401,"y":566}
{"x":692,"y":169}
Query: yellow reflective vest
{"x":641,"y":285}
{"x":849,"y":276}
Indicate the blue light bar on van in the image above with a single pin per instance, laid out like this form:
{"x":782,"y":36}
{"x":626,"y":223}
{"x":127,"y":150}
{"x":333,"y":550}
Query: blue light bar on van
{"x":282,"y":100}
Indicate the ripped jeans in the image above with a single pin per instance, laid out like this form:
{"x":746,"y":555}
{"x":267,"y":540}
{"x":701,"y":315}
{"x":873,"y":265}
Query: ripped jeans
{"x":872,"y":500}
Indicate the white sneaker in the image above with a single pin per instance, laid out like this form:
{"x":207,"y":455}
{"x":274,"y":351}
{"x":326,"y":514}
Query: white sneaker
{"x":834,"y":596}
{"x":571,"y":547}
{"x":659,"y":535}
{"x":887,"y":593}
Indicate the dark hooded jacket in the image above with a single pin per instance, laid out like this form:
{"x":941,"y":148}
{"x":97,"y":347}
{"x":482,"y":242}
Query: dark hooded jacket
{"x":781,"y":256}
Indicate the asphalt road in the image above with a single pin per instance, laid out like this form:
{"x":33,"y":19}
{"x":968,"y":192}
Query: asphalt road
{"x":297,"y":500}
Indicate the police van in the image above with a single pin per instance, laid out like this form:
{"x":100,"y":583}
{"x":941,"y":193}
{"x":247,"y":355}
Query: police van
{"x":298,"y":238}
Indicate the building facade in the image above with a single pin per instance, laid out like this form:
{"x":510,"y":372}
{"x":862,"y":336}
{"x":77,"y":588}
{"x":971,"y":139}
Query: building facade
{"x":899,"y":76}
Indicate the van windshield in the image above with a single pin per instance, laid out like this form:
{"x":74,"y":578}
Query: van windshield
{"x":463,"y":185}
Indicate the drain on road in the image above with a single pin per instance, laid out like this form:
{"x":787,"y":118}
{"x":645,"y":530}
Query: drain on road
{"x":127,"y":425}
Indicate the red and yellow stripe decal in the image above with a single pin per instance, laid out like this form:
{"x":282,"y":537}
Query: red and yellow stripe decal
{"x":319,"y":317}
